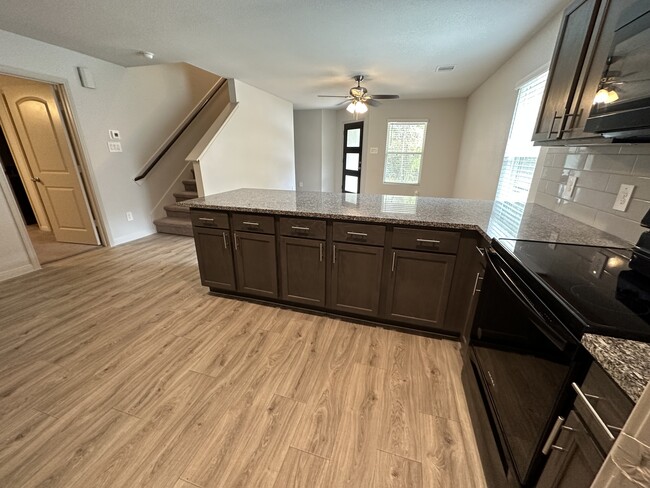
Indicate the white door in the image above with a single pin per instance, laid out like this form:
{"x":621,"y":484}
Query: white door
{"x":44,"y":139}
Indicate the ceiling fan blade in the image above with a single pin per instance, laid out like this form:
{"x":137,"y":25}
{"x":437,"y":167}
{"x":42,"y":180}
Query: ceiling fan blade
{"x":342,"y":103}
{"x":334,"y":96}
{"x":372,"y":103}
{"x":385,"y":97}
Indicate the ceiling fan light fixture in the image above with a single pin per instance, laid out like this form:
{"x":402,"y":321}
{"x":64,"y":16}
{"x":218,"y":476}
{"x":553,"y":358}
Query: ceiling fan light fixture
{"x":350,"y":108}
{"x":361,"y":108}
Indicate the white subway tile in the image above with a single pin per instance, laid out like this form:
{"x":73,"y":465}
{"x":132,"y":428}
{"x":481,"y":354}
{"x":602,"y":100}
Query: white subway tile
{"x":610,"y":163}
{"x":595,"y":199}
{"x":608,"y":149}
{"x":578,"y":212}
{"x":642,"y":185}
{"x":592,"y":180}
{"x":642,"y":165}
{"x":547,"y":201}
{"x":575,"y":161}
{"x":552,"y":174}
{"x":635,"y":149}
{"x":620,"y":227}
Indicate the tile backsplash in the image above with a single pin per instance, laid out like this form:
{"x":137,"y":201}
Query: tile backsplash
{"x":600,"y":171}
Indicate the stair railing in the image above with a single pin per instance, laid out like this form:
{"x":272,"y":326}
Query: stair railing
{"x":162,"y":150}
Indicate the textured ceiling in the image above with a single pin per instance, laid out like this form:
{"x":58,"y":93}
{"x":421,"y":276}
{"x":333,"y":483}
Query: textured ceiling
{"x":297,"y":49}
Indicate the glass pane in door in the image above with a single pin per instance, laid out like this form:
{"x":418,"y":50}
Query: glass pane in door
{"x":352,"y":161}
{"x":351,"y":183}
{"x":354,"y":137}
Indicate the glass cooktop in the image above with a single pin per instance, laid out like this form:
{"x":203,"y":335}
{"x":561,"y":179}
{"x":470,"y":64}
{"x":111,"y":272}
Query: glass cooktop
{"x":607,"y":288}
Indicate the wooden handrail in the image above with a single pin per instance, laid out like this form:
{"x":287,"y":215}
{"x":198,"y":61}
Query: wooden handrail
{"x":162,"y":150}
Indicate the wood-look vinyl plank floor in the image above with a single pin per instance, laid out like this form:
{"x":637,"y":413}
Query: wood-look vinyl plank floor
{"x":117,"y":369}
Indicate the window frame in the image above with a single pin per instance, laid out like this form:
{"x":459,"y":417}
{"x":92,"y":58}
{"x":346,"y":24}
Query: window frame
{"x":421,"y":153}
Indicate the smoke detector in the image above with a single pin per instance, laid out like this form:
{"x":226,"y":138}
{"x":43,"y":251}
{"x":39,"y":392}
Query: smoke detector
{"x":446,"y":67}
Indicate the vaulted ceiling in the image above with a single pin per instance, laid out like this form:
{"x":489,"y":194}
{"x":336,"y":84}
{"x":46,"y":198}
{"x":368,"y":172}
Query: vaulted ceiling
{"x":297,"y":49}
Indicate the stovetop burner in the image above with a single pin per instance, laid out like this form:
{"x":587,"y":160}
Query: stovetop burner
{"x":608,"y":289}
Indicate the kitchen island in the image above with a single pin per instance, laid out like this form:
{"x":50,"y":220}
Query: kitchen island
{"x":402,"y":261}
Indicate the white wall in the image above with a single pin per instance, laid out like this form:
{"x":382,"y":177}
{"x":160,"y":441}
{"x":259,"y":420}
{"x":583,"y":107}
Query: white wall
{"x":445,"y":122}
{"x":489,"y":114}
{"x":255,"y":148}
{"x":141,"y":102}
{"x":308,"y":144}
{"x":329,"y":151}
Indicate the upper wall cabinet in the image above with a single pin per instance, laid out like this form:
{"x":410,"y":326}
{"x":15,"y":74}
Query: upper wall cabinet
{"x":581,"y":52}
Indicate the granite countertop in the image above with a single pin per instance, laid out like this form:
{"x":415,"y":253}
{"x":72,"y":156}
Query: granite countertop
{"x":491,"y":219}
{"x":626,"y":361}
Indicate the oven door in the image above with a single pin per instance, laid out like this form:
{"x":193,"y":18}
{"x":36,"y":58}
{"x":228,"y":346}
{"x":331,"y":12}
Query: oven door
{"x":524,"y":360}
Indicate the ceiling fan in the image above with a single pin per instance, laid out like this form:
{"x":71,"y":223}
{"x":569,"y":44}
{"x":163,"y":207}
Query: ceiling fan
{"x":359,"y":97}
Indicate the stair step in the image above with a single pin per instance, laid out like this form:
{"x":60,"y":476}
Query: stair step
{"x":171,"y":225}
{"x":185,"y":195}
{"x":177,"y":211}
{"x":190,"y":185}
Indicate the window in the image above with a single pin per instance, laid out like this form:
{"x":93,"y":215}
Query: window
{"x":404,"y":148}
{"x":520,"y":156}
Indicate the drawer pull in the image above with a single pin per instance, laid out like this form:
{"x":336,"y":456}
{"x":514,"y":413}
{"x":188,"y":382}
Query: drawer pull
{"x":251,"y":223}
{"x":225,"y":241}
{"x":592,"y":411}
{"x":236,"y":243}
{"x":548,"y":445}
{"x":297,"y":227}
{"x":558,"y":448}
{"x":205,"y":219}
{"x":320,"y":252}
{"x":481,"y":251}
{"x":333,"y":253}
{"x":392,"y":267}
{"x":478,"y":275}
{"x":357,"y":234}
{"x":427,"y":241}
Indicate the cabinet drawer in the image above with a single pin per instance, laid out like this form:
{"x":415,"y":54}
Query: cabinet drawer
{"x":206,"y":218}
{"x":263,"y":224}
{"x":309,"y":228}
{"x":426,"y":240}
{"x":359,"y":233}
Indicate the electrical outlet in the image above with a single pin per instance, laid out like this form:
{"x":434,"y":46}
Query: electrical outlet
{"x":300,"y":184}
{"x":129,"y":216}
{"x":114,"y":134}
{"x":569,"y":187}
{"x":623,"y":198}
{"x":374,"y":150}
{"x":114,"y":147}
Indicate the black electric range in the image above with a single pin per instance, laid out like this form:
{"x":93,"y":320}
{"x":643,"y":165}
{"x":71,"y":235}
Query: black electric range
{"x":605,"y":289}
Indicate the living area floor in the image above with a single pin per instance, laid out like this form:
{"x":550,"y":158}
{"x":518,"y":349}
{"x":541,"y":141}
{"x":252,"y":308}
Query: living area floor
{"x":118,"y":369}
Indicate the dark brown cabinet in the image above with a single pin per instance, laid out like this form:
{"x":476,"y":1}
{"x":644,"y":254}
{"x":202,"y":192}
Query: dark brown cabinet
{"x":356,"y":278}
{"x":576,"y":69}
{"x":215,"y":258}
{"x":302,"y":270}
{"x":256,"y":264}
{"x":419,"y":287}
{"x":575,"y":458}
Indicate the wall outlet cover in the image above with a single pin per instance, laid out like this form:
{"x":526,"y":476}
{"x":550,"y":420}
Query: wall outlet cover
{"x":569,"y":187}
{"x":114,"y":147}
{"x":374,"y":150}
{"x":623,"y":198}
{"x":114,"y":134}
{"x":129,"y":216}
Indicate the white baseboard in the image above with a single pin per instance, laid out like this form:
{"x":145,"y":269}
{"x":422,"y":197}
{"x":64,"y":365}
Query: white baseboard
{"x":12,"y":273}
{"x":132,"y":237}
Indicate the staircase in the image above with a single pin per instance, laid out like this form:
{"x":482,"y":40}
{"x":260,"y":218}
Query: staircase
{"x":178,"y":218}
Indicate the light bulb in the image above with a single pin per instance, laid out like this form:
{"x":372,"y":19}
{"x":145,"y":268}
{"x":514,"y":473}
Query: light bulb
{"x":361,"y":108}
{"x":350,"y":108}
{"x":612,"y":96}
{"x":601,"y":96}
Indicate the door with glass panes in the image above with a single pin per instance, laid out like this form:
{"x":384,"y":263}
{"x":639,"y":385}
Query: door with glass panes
{"x":352,"y":143}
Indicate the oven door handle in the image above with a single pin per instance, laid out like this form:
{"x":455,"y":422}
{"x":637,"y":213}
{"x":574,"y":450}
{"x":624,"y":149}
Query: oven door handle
{"x":542,"y":322}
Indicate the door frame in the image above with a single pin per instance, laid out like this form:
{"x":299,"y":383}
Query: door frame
{"x":347,"y":126}
{"x":80,"y":154}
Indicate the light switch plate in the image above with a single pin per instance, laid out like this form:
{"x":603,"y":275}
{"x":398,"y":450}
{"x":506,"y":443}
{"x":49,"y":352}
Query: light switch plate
{"x":623,"y":198}
{"x":569,"y":187}
{"x":114,"y":147}
{"x":114,"y":134}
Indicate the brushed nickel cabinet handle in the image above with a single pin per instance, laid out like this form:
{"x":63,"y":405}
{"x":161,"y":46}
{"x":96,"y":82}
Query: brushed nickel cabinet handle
{"x":251,"y":223}
{"x":392,"y":266}
{"x":225,"y":241}
{"x":427,"y":241}
{"x":205,"y":219}
{"x":333,"y":253}
{"x":481,"y":251}
{"x":357,"y":234}
{"x":582,"y":398}
{"x":298,"y":227}
{"x":236,"y":242}
{"x":548,"y":445}
{"x":320,"y":252}
{"x":558,"y":448}
{"x":550,"y":129}
{"x":476,"y":284}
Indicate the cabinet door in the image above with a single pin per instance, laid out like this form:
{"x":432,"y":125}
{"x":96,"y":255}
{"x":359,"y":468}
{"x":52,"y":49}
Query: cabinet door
{"x":574,"y":460}
{"x":303,"y":270}
{"x":256,"y":265}
{"x":419,"y":286}
{"x":570,"y":52}
{"x":356,"y":278}
{"x":215,"y":258}
{"x":601,"y":42}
